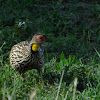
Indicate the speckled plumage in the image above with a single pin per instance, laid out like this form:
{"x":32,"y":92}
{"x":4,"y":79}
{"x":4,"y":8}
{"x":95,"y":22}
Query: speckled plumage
{"x":22,"y":58}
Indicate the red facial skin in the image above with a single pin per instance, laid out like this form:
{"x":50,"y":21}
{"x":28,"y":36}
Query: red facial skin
{"x":41,"y":38}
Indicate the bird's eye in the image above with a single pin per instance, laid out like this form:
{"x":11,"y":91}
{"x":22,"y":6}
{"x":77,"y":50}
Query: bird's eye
{"x":41,"y":38}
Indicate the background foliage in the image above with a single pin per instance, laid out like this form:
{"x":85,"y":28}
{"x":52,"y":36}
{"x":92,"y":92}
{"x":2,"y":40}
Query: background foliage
{"x":73,"y":27}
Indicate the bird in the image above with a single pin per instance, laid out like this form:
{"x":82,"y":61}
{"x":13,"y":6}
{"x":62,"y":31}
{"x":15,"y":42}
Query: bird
{"x":28,"y":55}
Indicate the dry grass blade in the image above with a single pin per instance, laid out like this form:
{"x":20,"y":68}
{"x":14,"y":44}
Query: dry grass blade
{"x":74,"y":90}
{"x":2,"y":45}
{"x":97,"y":52}
{"x":10,"y":97}
{"x":4,"y":91}
{"x":66,"y":95}
{"x":32,"y":96}
{"x":59,"y":85}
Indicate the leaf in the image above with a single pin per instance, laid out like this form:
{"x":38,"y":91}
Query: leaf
{"x":62,"y":57}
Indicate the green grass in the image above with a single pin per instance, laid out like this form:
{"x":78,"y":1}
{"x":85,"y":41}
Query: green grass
{"x":74,"y":31}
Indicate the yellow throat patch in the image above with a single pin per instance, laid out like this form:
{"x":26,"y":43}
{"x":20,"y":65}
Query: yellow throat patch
{"x":35,"y":47}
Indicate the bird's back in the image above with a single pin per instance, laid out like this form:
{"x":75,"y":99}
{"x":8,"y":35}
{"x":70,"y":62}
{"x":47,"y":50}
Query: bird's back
{"x":18,"y":53}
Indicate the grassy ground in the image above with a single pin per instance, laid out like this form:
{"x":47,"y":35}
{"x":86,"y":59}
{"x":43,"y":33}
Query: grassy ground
{"x":74,"y":30}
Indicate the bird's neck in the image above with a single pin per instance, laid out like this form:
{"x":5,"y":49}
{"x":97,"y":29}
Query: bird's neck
{"x":35,"y":47}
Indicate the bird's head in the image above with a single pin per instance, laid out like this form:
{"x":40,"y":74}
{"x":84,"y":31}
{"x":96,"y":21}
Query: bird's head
{"x":37,"y":40}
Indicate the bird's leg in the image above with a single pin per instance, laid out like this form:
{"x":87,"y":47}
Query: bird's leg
{"x":22,"y":77}
{"x":40,"y":73}
{"x":22,"y":80}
